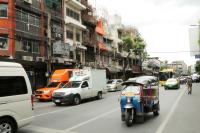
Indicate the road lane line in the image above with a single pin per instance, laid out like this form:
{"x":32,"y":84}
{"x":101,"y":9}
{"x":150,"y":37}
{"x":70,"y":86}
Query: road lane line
{"x":91,"y":120}
{"x":52,"y":112}
{"x":68,"y":108}
{"x":42,"y":129}
{"x":164,"y":123}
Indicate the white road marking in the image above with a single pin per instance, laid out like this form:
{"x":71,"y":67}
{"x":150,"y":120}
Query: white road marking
{"x":42,"y":129}
{"x":164,"y":123}
{"x":90,"y":120}
{"x":52,"y":112}
{"x":63,"y":109}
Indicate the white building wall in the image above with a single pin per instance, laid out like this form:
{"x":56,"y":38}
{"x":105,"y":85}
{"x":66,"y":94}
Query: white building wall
{"x":194,"y":37}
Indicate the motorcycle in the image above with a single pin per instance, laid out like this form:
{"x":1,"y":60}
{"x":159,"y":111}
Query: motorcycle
{"x":140,"y":95}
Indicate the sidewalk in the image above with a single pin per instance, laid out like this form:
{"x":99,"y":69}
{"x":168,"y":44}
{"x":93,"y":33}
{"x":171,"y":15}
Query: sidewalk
{"x":186,"y":117}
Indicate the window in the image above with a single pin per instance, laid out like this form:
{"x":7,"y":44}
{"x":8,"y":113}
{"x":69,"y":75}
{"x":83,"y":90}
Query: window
{"x":18,"y":15}
{"x":31,"y":19}
{"x":84,"y":85}
{"x":24,"y":17}
{"x":78,"y":37}
{"x":35,"y":47}
{"x":69,"y":34}
{"x":72,"y":14}
{"x":3,"y":10}
{"x":4,"y":42}
{"x":27,"y":46}
{"x":12,"y":85}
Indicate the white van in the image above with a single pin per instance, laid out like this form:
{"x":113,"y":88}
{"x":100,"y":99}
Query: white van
{"x":84,"y":84}
{"x":16,"y":101}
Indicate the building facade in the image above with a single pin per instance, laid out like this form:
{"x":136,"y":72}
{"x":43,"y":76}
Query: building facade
{"x":22,"y":37}
{"x":73,"y":30}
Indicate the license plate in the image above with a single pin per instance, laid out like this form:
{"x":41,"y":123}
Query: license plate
{"x":57,"y":101}
{"x":37,"y":96}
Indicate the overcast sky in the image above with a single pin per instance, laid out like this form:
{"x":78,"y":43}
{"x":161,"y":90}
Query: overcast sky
{"x":164,"y":24}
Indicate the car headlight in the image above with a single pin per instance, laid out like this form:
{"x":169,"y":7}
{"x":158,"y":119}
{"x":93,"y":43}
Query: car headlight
{"x":46,"y":92}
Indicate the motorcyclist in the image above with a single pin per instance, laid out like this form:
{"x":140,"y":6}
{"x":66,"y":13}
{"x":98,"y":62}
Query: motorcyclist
{"x":189,"y":85}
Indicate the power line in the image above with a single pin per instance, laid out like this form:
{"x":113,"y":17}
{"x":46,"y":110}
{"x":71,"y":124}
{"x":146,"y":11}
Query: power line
{"x":166,"y":52}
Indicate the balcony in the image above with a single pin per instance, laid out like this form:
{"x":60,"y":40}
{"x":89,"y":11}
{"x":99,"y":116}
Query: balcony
{"x":89,"y":39}
{"x":89,"y":18}
{"x":73,"y":22}
{"x":76,"y":3}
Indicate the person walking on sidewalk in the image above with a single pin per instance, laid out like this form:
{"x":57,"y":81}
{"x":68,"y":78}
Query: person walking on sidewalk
{"x":189,"y":85}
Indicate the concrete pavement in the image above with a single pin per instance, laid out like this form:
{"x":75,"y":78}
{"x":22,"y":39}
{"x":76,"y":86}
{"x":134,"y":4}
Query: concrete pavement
{"x":178,"y":114}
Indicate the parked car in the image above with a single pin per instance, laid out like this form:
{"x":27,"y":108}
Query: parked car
{"x":16,"y":100}
{"x":172,"y":83}
{"x":114,"y":84}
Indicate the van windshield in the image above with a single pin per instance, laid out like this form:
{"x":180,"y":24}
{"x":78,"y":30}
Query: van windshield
{"x":53,"y":84}
{"x":72,"y":84}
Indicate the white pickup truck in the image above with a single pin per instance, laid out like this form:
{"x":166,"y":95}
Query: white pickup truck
{"x":84,"y":83}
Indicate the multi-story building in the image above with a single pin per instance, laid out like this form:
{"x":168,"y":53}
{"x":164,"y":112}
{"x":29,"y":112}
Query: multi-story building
{"x":89,"y":35}
{"x":22,"y":37}
{"x":54,"y":24}
{"x":73,"y":30}
{"x":180,"y":67}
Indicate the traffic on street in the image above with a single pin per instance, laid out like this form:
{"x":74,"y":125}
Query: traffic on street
{"x":99,"y":66}
{"x":178,"y":113}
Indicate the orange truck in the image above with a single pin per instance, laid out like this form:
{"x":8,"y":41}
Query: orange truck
{"x":58,"y":79}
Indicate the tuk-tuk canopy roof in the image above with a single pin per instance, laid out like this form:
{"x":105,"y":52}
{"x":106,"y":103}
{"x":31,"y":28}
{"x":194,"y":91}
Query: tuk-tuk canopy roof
{"x":143,"y":80}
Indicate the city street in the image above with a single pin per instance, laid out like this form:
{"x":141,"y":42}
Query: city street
{"x":179,"y":114}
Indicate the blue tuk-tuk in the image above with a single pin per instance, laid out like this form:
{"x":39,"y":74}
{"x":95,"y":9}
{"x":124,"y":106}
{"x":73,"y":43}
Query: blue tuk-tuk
{"x":140,"y":95}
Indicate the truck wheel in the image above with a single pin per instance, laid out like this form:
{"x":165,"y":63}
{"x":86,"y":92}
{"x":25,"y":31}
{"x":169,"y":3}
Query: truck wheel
{"x":7,"y":126}
{"x":76,"y":100}
{"x":99,"y":95}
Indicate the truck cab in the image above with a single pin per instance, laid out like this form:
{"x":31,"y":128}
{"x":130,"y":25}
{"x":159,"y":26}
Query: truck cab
{"x":58,"y":79}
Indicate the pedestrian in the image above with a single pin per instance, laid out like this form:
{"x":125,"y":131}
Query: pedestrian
{"x":189,"y":85}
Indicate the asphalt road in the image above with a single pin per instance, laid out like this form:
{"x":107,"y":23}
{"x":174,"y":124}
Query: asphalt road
{"x":179,"y":114}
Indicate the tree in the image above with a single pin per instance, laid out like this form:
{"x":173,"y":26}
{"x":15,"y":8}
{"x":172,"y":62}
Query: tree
{"x":139,"y":48}
{"x":128,"y":43}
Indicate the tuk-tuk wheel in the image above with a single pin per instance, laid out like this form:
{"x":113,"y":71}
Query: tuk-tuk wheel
{"x":156,"y":113}
{"x":128,"y":120}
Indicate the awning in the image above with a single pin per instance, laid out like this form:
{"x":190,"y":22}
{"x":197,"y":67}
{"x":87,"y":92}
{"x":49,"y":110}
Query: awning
{"x":102,"y":46}
{"x":99,"y":28}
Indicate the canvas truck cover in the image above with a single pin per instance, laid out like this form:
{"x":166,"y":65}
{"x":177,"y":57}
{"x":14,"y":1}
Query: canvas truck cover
{"x":61,"y":75}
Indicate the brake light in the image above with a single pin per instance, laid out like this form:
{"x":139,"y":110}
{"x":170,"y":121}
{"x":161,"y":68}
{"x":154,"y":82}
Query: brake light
{"x":32,"y":101}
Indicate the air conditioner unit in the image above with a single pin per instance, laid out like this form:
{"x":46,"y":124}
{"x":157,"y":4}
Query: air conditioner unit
{"x":40,"y":59}
{"x":28,"y":58}
{"x":28,"y":1}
